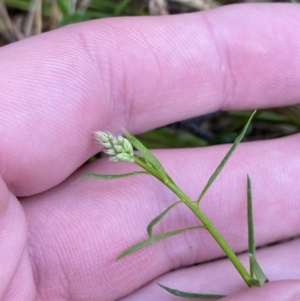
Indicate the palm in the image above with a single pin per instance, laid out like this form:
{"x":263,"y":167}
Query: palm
{"x":77,"y":230}
{"x":61,"y":241}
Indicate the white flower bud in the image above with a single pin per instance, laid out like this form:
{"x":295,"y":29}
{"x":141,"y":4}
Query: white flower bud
{"x":114,"y":159}
{"x":117,"y":146}
{"x":120,"y":139}
{"x":128,"y":147}
{"x":102,"y":137}
{"x":110,"y":152}
{"x":123,"y":157}
{"x":107,"y":145}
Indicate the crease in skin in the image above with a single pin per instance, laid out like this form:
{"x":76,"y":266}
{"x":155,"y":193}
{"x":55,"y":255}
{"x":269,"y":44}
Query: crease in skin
{"x":4,"y":197}
{"x":218,"y":37}
{"x":13,"y":241}
{"x":18,"y":288}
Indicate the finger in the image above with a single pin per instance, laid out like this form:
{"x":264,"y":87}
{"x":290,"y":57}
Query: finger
{"x":219,"y":277}
{"x":136,"y":73}
{"x":16,"y":280}
{"x":278,"y":291}
{"x":71,"y":223}
{"x":282,"y":291}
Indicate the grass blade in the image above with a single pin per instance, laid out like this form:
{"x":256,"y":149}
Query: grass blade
{"x":255,"y":269}
{"x":147,"y":154}
{"x":225,"y":159}
{"x":251,"y":239}
{"x":155,"y":239}
{"x":159,"y":218}
{"x":258,"y":272}
{"x":63,"y":6}
{"x":112,"y":177}
{"x":120,"y":7}
{"x":190,"y":295}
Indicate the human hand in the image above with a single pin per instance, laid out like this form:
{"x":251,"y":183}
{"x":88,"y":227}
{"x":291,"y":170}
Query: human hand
{"x":60,"y":241}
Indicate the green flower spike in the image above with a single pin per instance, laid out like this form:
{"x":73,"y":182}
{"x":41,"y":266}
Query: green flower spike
{"x":121,"y":149}
{"x":118,"y":147}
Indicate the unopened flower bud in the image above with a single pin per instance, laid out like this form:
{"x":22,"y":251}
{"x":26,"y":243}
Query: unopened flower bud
{"x":117,"y":146}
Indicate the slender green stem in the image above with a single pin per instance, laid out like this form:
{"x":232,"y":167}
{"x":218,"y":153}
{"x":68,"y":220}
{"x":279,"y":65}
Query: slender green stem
{"x":204,"y":219}
{"x":213,"y":231}
{"x":148,"y":168}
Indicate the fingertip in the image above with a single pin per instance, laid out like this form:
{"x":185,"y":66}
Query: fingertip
{"x":286,"y":290}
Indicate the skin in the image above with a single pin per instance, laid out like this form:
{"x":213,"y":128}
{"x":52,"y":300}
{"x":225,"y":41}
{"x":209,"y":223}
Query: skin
{"x":60,"y":240}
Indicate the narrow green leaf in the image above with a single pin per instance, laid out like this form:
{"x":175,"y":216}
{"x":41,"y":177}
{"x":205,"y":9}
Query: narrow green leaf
{"x":63,"y":6}
{"x":159,"y":218}
{"x":147,"y":154}
{"x":155,"y":239}
{"x":190,"y":295}
{"x":112,"y":177}
{"x":225,"y":159}
{"x":170,"y":138}
{"x":255,"y":269}
{"x":251,"y":239}
{"x":260,"y":275}
{"x":120,"y":7}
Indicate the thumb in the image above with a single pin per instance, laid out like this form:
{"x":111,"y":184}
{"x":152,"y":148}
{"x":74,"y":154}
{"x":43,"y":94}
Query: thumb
{"x":16,"y":278}
{"x":287,"y":290}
